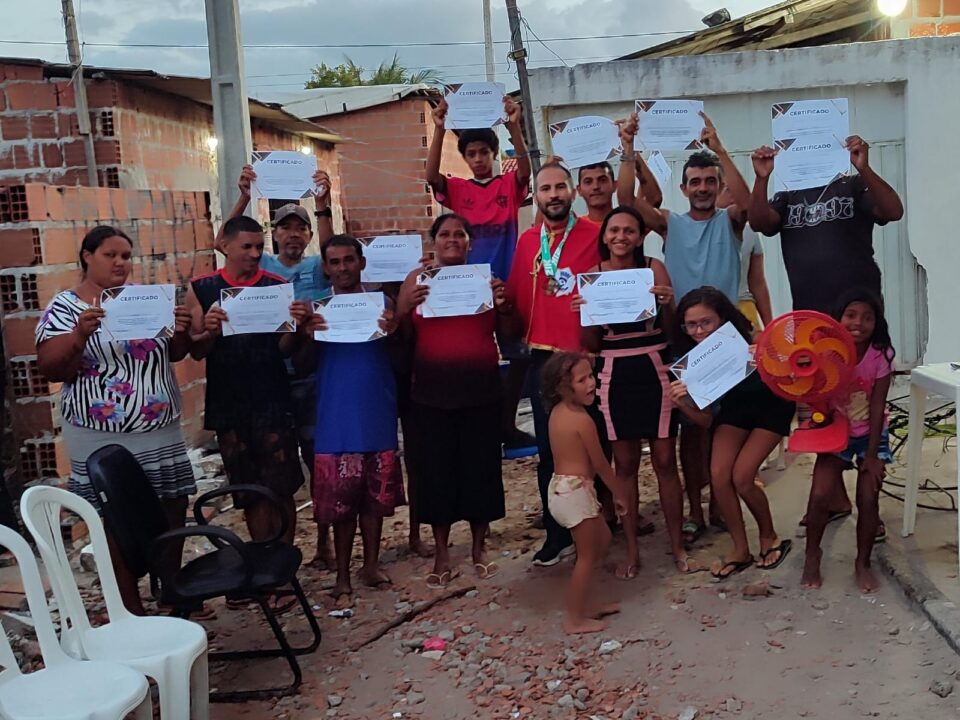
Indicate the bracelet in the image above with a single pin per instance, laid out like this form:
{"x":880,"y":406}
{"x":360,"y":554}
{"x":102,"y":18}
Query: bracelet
{"x":625,"y":157}
{"x":326,"y":212}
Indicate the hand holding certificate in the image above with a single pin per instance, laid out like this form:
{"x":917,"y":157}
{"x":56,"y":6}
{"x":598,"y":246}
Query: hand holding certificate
{"x":617,"y":296}
{"x":715,"y":366}
{"x":350,"y":317}
{"x":257,"y":309}
{"x":669,"y":124}
{"x":456,"y":290}
{"x":283,"y":175}
{"x":810,"y":137}
{"x":585,"y":140}
{"x":139,"y":312}
{"x":390,"y":258}
{"x":474,"y":105}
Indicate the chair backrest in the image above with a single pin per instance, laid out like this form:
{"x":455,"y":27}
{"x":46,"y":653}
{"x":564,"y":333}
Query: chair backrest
{"x":37,"y":601}
{"x":40,"y":507}
{"x":132,"y":511}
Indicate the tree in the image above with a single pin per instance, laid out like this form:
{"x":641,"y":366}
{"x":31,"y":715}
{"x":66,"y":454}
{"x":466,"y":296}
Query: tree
{"x":349,"y":74}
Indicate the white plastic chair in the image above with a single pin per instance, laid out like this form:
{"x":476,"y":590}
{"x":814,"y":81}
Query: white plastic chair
{"x":66,"y":689}
{"x":170,"y":650}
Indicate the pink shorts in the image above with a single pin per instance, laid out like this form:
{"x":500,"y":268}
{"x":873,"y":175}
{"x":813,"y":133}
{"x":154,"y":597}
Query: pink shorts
{"x":572,"y":499}
{"x":348,"y":484}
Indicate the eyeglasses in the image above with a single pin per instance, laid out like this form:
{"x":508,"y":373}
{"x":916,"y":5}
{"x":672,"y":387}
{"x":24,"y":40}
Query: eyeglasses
{"x":706,"y":325}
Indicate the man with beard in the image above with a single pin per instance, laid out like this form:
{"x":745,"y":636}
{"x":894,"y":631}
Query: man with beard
{"x":541,"y":284}
{"x":702,"y":247}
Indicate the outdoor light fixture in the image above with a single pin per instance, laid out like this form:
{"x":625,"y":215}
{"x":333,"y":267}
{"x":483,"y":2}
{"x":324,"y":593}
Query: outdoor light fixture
{"x":891,"y":8}
{"x":305,"y":149}
{"x":717,"y":17}
{"x":212,"y":143}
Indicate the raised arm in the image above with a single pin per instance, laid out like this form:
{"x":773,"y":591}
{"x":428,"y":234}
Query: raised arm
{"x":514,"y":113}
{"x":436,"y":180}
{"x":757,"y":284}
{"x":649,"y":187}
{"x":653,"y":218}
{"x":887,"y":206}
{"x":627,"y":175}
{"x":731,"y":175}
{"x":760,"y":214}
{"x":324,"y":213}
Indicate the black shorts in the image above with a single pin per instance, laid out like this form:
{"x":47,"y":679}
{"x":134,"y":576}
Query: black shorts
{"x":258,"y":456}
{"x":751,"y":405}
{"x":457,"y":463}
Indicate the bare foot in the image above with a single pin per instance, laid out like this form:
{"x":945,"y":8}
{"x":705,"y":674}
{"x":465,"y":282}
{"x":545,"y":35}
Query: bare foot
{"x":627,"y":570}
{"x":324,"y":559}
{"x":582,"y":625}
{"x":866,"y":580}
{"x":342,"y":594}
{"x":812,"y":579}
{"x":420,"y":548}
{"x":686,"y":564}
{"x":374,"y":577}
{"x":604,"y":610}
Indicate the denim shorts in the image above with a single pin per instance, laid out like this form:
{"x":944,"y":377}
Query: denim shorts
{"x":857,"y":449}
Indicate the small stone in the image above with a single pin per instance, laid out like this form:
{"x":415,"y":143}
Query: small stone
{"x":631,"y":713}
{"x":820,"y":605}
{"x":688,"y":713}
{"x":895,"y":630}
{"x":446,"y":635}
{"x":565,"y":701}
{"x":775,"y":626}
{"x":579,"y":705}
{"x":334,"y":701}
{"x":415,"y":698}
{"x":466,"y":629}
{"x":416,"y":644}
{"x":432,"y":654}
{"x":942,"y":688}
{"x":493,"y":607}
{"x":583,"y":694}
{"x":402,"y":607}
{"x":609,"y":646}
{"x":472,"y":594}
{"x":732,"y":705}
{"x":552,"y":685}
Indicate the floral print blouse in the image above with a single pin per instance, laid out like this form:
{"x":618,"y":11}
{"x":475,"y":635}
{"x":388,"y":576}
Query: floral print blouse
{"x":123,"y":386}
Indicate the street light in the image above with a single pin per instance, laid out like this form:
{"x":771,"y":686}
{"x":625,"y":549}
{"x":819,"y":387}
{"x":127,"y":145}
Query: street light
{"x":891,"y":8}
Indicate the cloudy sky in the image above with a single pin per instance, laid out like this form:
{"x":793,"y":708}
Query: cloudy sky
{"x":123,"y":25}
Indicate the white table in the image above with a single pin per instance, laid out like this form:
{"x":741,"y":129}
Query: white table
{"x":942,"y":380}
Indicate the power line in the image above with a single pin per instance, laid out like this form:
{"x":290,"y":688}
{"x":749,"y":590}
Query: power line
{"x":530,"y":30}
{"x":275,"y":46}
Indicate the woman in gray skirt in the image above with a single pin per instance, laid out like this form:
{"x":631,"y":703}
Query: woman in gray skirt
{"x":116,"y":392}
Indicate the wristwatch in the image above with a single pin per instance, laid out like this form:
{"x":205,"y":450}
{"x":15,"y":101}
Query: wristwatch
{"x":326,"y":212}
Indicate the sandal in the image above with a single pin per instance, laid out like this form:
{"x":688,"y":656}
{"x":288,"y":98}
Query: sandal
{"x":692,"y":532}
{"x":281,"y":602}
{"x":686,"y":566}
{"x":438,"y":581}
{"x":629,"y":572}
{"x":485,"y":572}
{"x":736,"y":566}
{"x":881,"y":535}
{"x":783,"y":548}
{"x":343,"y":601}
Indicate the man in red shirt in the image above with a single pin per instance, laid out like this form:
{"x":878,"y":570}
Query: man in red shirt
{"x":541,"y":285}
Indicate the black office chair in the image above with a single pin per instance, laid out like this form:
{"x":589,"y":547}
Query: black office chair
{"x":235,"y":569}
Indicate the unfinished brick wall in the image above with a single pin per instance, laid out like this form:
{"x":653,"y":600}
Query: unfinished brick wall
{"x":928,"y":18}
{"x":41,"y":227}
{"x":383,"y":175}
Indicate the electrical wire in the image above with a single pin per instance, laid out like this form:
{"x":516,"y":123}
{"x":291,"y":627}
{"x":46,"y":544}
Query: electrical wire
{"x":531,"y":31}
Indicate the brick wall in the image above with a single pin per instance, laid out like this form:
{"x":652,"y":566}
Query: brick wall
{"x":383,"y":175}
{"x":41,"y":227}
{"x":927,"y":18}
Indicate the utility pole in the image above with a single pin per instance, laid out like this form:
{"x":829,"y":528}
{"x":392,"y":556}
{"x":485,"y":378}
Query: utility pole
{"x":80,"y":91}
{"x":488,"y":42}
{"x":231,"y":111}
{"x":519,"y":55}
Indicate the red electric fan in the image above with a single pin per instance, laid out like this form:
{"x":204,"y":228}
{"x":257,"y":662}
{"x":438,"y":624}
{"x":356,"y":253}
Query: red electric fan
{"x":808,"y":357}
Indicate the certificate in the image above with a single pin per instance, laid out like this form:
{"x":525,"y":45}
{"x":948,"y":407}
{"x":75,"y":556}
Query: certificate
{"x":669,"y":125}
{"x":283,"y":175}
{"x":660,"y":168}
{"x":474,"y":105}
{"x":390,"y":258}
{"x":617,"y":296}
{"x":715,"y":366}
{"x":585,"y":140}
{"x":350,"y":317}
{"x":810,"y":136}
{"x":257,"y":309}
{"x":456,"y":290}
{"x":138,"y":312}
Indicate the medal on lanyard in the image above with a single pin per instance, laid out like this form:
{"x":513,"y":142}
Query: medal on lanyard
{"x":548,"y":260}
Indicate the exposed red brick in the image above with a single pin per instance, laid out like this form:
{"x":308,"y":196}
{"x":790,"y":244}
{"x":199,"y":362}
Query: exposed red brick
{"x":923,"y":30}
{"x":17,"y":248}
{"x":14,"y":71}
{"x":51,"y":155}
{"x":61,"y":245}
{"x":51,"y":283}
{"x":15,"y":128}
{"x":18,"y":334}
{"x":33,"y":419}
{"x":31,"y":96}
{"x":929,"y":8}
{"x":948,"y":28}
{"x":951,"y":7}
{"x":25,"y":157}
{"x":43,"y":126}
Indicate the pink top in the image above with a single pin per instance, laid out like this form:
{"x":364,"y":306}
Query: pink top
{"x":871,"y":368}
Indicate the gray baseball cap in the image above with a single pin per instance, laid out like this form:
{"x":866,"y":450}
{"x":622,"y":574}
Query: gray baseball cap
{"x":285,"y":211}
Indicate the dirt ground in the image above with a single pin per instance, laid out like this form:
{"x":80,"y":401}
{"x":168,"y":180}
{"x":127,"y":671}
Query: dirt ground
{"x":683,"y":647}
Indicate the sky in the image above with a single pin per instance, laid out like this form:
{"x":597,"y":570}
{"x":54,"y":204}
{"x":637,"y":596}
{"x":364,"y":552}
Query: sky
{"x":390,"y":23}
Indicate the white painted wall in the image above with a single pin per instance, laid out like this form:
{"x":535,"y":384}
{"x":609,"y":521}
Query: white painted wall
{"x":904,"y":99}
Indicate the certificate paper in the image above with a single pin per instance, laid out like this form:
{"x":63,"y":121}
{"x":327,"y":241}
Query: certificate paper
{"x":456,"y":290}
{"x":715,"y":366}
{"x":809,"y":136}
{"x":669,"y":125}
{"x":660,"y":168}
{"x":474,"y":105}
{"x":585,"y":140}
{"x":390,"y":258}
{"x":139,"y":312}
{"x":283,"y":175}
{"x":617,"y":296}
{"x":257,"y":309}
{"x":351,"y":317}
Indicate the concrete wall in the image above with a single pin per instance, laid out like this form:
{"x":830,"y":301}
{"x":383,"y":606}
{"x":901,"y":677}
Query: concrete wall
{"x":902,"y":93}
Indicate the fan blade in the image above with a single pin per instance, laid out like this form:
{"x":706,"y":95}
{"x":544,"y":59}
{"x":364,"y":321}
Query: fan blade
{"x":821,"y":347}
{"x":805,"y":331}
{"x":799,"y":388}
{"x":780,"y":344}
{"x":774,"y":366}
{"x":831,"y":376}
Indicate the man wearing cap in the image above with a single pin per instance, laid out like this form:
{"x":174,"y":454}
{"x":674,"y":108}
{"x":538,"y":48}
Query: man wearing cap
{"x":292,"y":230}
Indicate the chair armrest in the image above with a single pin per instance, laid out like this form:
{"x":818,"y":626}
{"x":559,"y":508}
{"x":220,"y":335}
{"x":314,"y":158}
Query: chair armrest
{"x":220,"y":537}
{"x":260,"y":490}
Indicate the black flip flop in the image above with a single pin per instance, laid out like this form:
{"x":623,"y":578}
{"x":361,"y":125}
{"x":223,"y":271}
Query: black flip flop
{"x":783,"y":548}
{"x":738,"y":567}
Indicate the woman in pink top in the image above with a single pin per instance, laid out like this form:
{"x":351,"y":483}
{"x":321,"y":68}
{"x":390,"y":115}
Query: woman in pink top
{"x":861,"y":312}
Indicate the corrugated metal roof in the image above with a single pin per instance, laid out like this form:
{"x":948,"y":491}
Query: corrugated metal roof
{"x":795,"y":23}
{"x":320,"y":102}
{"x":192,"y":88}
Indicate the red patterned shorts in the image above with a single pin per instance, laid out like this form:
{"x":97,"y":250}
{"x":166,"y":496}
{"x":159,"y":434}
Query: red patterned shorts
{"x":349,"y":484}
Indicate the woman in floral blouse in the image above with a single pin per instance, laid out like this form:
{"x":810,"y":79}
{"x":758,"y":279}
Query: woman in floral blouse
{"x":116,"y":392}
